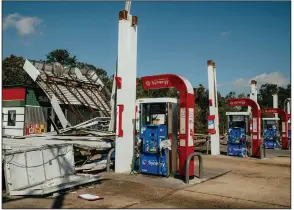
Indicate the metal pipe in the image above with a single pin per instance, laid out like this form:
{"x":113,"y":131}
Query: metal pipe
{"x":108,"y":159}
{"x":188,"y":166}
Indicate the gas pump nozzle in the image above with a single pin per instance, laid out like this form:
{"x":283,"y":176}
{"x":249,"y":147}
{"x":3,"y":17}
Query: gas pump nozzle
{"x":242,"y":139}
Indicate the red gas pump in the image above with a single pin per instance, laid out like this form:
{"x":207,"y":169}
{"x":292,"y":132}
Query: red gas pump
{"x":186,"y":105}
{"x":256,"y":140}
{"x":285,"y":119}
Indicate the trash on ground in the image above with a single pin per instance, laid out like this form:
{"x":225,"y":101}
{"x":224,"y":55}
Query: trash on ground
{"x":90,"y":197}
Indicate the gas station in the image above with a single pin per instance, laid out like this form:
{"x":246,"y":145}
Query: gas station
{"x":152,"y":158}
{"x":150,"y":125}
{"x":157,"y":134}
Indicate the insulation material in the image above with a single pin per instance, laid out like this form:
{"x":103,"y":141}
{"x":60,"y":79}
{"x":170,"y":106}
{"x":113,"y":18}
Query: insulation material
{"x":37,"y":166}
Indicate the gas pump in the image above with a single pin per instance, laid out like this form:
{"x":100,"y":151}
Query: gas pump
{"x":237,"y":129}
{"x":270,"y":133}
{"x":157,"y":126}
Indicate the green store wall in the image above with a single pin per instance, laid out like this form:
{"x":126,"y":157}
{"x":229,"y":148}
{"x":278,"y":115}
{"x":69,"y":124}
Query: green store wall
{"x":36,"y":97}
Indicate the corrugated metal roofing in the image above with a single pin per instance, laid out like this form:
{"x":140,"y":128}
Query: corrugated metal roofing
{"x":87,"y":90}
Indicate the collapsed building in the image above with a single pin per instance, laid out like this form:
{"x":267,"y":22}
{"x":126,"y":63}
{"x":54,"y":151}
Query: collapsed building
{"x":81,"y":95}
{"x":68,"y":110}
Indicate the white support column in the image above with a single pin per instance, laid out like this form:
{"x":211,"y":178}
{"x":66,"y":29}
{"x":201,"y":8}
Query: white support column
{"x":253,"y":96}
{"x":126,"y":94}
{"x":275,"y":103}
{"x":253,"y":93}
{"x":288,"y":107}
{"x":213,"y":108}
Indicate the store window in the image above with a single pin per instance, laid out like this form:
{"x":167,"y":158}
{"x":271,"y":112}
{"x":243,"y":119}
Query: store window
{"x":11,"y":117}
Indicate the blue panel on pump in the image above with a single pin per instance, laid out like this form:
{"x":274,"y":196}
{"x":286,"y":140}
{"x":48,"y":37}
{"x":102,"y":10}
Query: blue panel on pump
{"x":154,"y":164}
{"x":154,"y":160}
{"x":270,"y":138}
{"x":236,"y":142}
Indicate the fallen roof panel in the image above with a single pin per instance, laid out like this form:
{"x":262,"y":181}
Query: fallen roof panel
{"x":69,"y":93}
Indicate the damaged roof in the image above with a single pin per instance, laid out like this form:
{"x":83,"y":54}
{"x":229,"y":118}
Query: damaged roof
{"x":73,"y":86}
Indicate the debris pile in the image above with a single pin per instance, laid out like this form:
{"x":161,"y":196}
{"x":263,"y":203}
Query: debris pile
{"x":90,"y":141}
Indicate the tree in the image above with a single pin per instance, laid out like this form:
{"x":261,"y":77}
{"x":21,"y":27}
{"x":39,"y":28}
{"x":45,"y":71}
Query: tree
{"x":231,"y":94}
{"x":283,"y":94}
{"x":13,"y":73}
{"x":61,"y":56}
{"x":265,"y":97}
{"x":201,"y":100}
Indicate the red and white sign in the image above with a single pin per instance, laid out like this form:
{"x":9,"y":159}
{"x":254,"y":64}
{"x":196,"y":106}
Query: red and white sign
{"x":270,"y":110}
{"x":211,"y":124}
{"x":238,"y":103}
{"x":155,"y":82}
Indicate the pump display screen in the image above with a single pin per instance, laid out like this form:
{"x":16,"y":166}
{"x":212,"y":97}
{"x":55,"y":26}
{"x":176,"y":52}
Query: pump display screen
{"x":238,"y":118}
{"x":158,"y":108}
{"x":269,"y":126}
{"x":237,"y":124}
{"x":270,"y":122}
{"x":153,"y":113}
